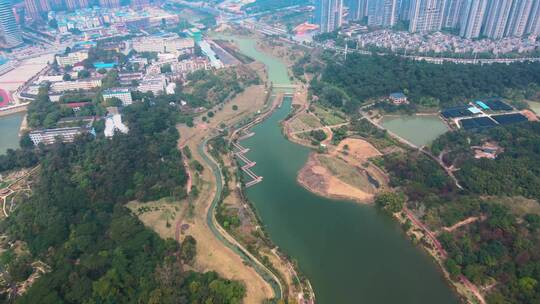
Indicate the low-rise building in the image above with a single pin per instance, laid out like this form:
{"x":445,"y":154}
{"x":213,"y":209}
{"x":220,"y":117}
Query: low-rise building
{"x":398,"y":98}
{"x":124,"y":94}
{"x":71,"y":58}
{"x":50,"y":136}
{"x":155,"y":84}
{"x":83,"y":84}
{"x":129,"y":77}
{"x":114,"y":123}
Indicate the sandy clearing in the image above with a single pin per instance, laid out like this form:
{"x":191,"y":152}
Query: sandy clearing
{"x":464,"y":222}
{"x":531,"y":116}
{"x":319,"y":180}
{"x":358,"y":149}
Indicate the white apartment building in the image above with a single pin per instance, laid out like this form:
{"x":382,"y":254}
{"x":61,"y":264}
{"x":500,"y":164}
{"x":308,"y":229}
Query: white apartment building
{"x":71,"y":58}
{"x":84,"y":84}
{"x":124,"y":94}
{"x":49,"y":136}
{"x":155,"y":84}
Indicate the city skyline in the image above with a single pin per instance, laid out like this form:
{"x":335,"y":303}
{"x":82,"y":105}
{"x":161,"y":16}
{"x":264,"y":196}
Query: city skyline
{"x":9,"y":29}
{"x":470,"y":18}
{"x":329,"y":14}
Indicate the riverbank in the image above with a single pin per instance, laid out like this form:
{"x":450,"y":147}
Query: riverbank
{"x":317,"y":178}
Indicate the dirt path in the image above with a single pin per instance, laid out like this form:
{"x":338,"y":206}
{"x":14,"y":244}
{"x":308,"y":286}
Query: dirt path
{"x":464,"y":222}
{"x":212,"y":254}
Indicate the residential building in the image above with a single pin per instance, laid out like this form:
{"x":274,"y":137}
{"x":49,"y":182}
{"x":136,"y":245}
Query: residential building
{"x":35,"y":8}
{"x":426,"y":15}
{"x":71,"y":58}
{"x":398,"y":98}
{"x":50,"y":136}
{"x":155,"y":84}
{"x":83,"y":84}
{"x":127,"y":78}
{"x":114,"y":123}
{"x":533,"y":25}
{"x":404,"y":9}
{"x":9,"y":29}
{"x":124,"y":94}
{"x":162,"y":44}
{"x":109,"y":3}
{"x":328,"y":15}
{"x":519,"y":15}
{"x":76,"y":4}
{"x":472,"y":18}
{"x":452,"y":13}
{"x":357,"y":9}
{"x":497,"y":18}
{"x":382,"y":13}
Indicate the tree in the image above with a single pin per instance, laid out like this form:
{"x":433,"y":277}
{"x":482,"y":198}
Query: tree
{"x":53,"y":23}
{"x":66,"y":77}
{"x":166,"y":68}
{"x":390,"y":201}
{"x":188,"y":249}
{"x":83,"y":74}
{"x":235,"y":107}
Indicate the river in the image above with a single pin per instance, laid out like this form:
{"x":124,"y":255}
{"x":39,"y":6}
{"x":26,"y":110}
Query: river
{"x":350,"y":253}
{"x":9,"y":131}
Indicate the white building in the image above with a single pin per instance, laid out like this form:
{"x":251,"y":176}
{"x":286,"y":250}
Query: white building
{"x":84,"y":84}
{"x":473,"y":16}
{"x":519,"y":15}
{"x":496,"y":19}
{"x":426,"y":15}
{"x":49,"y":136}
{"x":71,"y":58}
{"x":329,"y":14}
{"x":155,"y":84}
{"x":114,"y":123}
{"x":124,"y":94}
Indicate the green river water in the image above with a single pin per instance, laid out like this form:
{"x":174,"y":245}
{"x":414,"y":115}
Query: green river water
{"x":9,"y":131}
{"x":350,"y":253}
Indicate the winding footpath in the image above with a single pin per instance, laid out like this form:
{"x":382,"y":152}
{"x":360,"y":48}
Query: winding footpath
{"x":223,"y":236}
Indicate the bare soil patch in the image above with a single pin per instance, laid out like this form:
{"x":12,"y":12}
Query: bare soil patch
{"x":317,"y":177}
{"x":356,"y":150}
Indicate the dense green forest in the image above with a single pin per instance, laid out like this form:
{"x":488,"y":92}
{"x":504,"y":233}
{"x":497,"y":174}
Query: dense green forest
{"x":503,"y":246}
{"x":514,"y":172}
{"x":98,"y":251}
{"x":221,"y":86}
{"x":361,"y":78}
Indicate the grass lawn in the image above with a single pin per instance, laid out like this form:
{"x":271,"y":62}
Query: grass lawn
{"x":329,"y":117}
{"x":345,"y":172}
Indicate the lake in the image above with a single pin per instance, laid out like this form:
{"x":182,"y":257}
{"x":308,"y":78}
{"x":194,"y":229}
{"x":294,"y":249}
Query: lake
{"x":9,"y":131}
{"x":351,"y":253}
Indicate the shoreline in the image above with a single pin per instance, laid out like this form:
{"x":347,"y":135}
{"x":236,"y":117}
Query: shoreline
{"x":326,"y":178}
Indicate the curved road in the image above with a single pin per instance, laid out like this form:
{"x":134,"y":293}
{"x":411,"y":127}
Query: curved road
{"x":224,"y":237}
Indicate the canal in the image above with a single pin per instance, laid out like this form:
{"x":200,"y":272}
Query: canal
{"x":350,"y":253}
{"x":9,"y":131}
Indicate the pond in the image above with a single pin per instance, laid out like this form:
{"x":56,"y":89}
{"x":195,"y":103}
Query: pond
{"x":9,"y":131}
{"x":418,"y":129}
